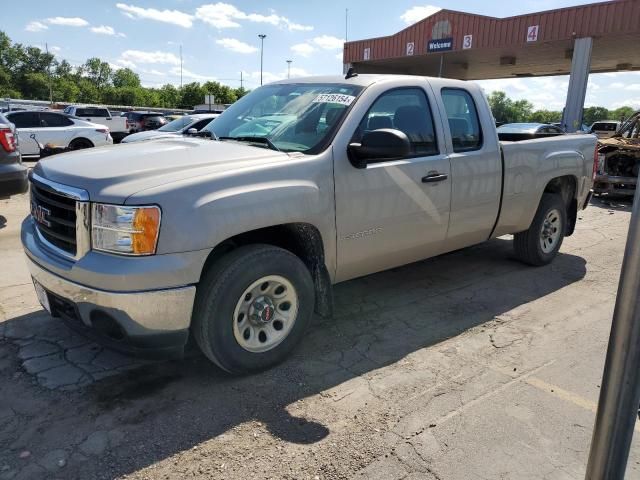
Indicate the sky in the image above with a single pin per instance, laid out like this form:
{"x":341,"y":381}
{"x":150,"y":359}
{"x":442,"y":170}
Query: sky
{"x":220,"y":39}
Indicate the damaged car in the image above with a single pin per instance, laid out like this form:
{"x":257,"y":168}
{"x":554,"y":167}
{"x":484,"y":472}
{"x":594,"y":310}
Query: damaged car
{"x":619,"y":160}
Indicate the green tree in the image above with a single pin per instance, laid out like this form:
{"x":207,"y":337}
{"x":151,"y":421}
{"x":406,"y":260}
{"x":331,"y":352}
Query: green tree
{"x":97,"y":72}
{"x":593,"y":114}
{"x":545,"y":116}
{"x":621,"y":113}
{"x":169,"y":96}
{"x":506,"y":110}
{"x":125,"y":77}
{"x":191,"y":94}
{"x":35,"y":86}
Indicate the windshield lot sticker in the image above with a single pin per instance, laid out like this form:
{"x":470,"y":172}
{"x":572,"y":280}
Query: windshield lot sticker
{"x":334,"y":98}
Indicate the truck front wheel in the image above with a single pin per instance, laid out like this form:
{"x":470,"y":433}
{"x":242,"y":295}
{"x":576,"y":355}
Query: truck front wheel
{"x":540,"y":243}
{"x":252,"y":307}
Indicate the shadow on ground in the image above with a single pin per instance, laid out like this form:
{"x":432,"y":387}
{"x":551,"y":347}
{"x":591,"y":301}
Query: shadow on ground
{"x":171,"y":407}
{"x":609,"y":202}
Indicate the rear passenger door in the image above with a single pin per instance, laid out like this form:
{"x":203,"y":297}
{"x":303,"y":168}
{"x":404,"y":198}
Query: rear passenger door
{"x":27,"y":123}
{"x":392,"y":212}
{"x":476,"y":164}
{"x":55,"y":129}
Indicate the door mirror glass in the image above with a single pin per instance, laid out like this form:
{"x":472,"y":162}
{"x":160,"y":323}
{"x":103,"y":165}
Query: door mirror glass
{"x":192,"y":131}
{"x":382,"y":144}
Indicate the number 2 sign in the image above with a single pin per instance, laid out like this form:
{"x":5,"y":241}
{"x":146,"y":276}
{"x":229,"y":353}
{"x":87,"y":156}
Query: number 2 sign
{"x":532,"y":33}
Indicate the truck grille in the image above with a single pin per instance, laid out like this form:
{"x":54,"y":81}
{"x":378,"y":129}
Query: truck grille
{"x":55,"y":217}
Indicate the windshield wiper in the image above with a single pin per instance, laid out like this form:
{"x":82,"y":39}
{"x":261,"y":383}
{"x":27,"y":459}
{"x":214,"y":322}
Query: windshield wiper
{"x":261,"y":140}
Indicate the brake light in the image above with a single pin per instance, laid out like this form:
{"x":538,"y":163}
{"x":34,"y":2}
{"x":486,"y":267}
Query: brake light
{"x":595,"y":163}
{"x":8,"y":140}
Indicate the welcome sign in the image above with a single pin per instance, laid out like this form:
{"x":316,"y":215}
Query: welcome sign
{"x":440,"y":45}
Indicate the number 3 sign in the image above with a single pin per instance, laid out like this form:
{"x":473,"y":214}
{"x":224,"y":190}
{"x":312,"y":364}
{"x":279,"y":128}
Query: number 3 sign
{"x":467,"y":42}
{"x":532,"y":33}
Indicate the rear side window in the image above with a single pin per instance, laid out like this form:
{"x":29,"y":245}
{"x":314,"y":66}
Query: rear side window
{"x":54,"y":120}
{"x":407,"y":110}
{"x":605,"y":127}
{"x":25,"y":119}
{"x":92,"y":112}
{"x":464,"y":124}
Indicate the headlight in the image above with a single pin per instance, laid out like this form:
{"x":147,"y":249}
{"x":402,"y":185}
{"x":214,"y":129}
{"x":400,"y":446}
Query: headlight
{"x":125,"y":230}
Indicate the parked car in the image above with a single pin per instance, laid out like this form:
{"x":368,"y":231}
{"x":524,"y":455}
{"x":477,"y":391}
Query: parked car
{"x":178,"y":127}
{"x":58,"y":129}
{"x":605,"y":128}
{"x":523,"y":131}
{"x":13,"y":174}
{"x":237,"y":239}
{"x":143,"y":121}
{"x":619,"y":160}
{"x":117,"y":125}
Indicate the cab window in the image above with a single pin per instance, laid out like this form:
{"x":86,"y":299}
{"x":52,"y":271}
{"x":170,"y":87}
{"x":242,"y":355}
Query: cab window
{"x":407,"y":110}
{"x":464,"y":123}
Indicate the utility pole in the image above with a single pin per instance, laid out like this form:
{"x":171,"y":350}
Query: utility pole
{"x":46,"y":46}
{"x":180,"y":67}
{"x":262,"y":36}
{"x":289,"y":68}
{"x":620,"y":391}
{"x":346,"y":24}
{"x":241,"y":80}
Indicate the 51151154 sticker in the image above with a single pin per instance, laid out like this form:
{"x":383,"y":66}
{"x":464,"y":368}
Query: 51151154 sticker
{"x":334,"y":98}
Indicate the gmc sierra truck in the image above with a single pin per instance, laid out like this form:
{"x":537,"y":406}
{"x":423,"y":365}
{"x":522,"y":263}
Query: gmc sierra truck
{"x":236,"y":237}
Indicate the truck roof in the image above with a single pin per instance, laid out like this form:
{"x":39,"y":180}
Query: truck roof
{"x":364,"y":80}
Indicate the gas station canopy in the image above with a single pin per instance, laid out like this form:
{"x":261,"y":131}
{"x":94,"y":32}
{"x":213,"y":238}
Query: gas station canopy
{"x":474,"y":47}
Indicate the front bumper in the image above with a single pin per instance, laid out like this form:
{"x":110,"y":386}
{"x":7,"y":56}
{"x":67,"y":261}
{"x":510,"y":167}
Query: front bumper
{"x":143,"y":322}
{"x":611,"y":185}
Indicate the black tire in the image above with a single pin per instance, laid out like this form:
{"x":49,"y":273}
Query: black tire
{"x":220,"y":290}
{"x":80,"y":143}
{"x":527,"y":244}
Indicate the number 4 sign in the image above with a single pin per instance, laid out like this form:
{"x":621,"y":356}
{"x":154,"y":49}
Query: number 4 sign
{"x":532,"y":33}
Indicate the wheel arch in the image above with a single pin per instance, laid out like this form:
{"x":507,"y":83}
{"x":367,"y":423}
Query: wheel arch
{"x":303,"y":240}
{"x":81,"y":139}
{"x":567,"y":187}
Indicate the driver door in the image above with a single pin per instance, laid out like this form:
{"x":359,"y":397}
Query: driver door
{"x":394,"y":212}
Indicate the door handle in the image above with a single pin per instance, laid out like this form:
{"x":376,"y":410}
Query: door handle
{"x":435,"y":177}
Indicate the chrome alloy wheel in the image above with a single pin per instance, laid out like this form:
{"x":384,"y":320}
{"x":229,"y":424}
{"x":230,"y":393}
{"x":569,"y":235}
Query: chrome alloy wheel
{"x":551,"y":229}
{"x":265,"y":314}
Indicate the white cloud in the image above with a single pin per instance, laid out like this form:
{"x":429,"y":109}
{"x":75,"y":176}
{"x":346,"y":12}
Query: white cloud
{"x":303,"y":49}
{"x":417,"y":13}
{"x":190,"y":75}
{"x":340,"y":56}
{"x":68,"y":21}
{"x":175,"y":17}
{"x":236,"y":45}
{"x":634,"y":87}
{"x":268,"y":77}
{"x":224,"y":15}
{"x":328,"y":42}
{"x":617,"y":85}
{"x":138,"y":56}
{"x":54,"y":49}
{"x":296,"y":27}
{"x":107,"y":30}
{"x":35,"y":26}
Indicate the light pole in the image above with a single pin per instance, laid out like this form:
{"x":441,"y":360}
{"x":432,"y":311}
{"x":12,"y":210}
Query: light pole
{"x":289,"y":68}
{"x":262,"y":36}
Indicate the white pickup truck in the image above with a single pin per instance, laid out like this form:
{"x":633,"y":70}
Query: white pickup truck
{"x":236,"y":238}
{"x":117,"y":125}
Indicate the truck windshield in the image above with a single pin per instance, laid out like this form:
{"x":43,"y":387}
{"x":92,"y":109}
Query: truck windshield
{"x":177,"y":124}
{"x":292,"y":117}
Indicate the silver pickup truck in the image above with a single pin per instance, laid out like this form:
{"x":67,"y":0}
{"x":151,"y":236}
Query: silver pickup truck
{"x":236,"y":238}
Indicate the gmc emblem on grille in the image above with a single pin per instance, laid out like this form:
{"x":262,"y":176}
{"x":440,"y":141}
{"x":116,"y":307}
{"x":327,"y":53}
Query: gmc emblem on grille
{"x":40,"y":214}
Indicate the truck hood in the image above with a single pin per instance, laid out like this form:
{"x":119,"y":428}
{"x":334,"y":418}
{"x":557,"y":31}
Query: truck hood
{"x":149,"y":135}
{"x":114,"y":173}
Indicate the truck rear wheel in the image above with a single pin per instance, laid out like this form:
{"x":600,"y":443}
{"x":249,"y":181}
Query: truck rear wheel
{"x":252,"y":307}
{"x":540,"y":244}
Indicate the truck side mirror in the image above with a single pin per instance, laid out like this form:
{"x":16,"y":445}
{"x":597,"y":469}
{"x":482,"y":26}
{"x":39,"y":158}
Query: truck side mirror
{"x":192,"y":131}
{"x":381,"y":144}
